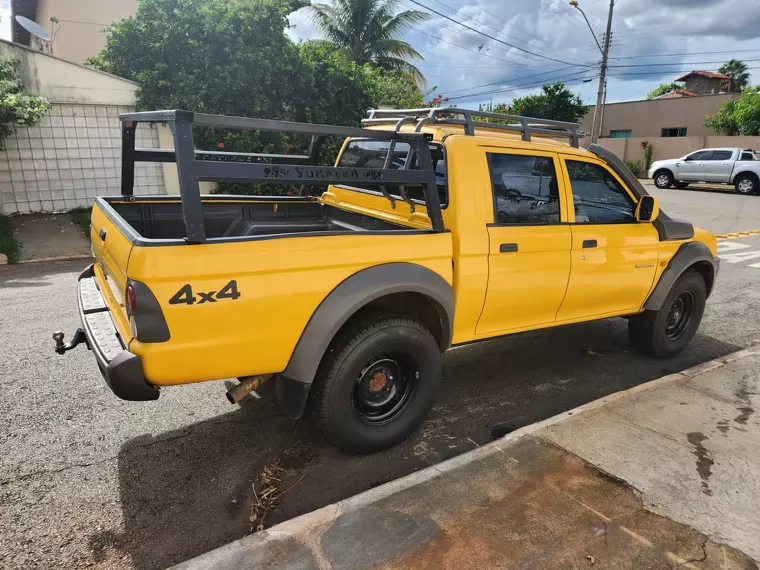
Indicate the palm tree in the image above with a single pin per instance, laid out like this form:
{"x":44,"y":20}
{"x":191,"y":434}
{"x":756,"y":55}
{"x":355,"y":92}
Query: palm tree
{"x":737,"y":71}
{"x":368,"y":31}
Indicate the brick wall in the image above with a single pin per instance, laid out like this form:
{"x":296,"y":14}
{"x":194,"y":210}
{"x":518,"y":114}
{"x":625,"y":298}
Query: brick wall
{"x":70,"y":158}
{"x":703,"y":85}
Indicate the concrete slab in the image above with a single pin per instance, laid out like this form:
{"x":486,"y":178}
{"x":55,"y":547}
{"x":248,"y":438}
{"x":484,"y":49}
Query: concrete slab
{"x":46,"y":236}
{"x":691,"y":447}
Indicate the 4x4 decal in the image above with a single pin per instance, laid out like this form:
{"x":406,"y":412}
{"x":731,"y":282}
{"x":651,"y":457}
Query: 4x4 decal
{"x":185,"y":295}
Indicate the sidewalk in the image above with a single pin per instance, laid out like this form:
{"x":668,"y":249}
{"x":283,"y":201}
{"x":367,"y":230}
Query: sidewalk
{"x":661,"y":476}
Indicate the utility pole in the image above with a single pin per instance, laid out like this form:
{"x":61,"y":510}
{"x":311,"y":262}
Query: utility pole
{"x":599,"y":109}
{"x":601,"y":96}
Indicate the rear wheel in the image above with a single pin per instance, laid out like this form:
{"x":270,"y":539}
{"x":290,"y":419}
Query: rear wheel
{"x":746,"y":184}
{"x":378,"y":385}
{"x":666,"y":332}
{"x":663,"y":179}
{"x":681,"y":185}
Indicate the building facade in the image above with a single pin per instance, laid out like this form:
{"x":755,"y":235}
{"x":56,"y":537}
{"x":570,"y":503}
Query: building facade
{"x":664,"y":117}
{"x":78,"y":25}
{"x":705,"y":82}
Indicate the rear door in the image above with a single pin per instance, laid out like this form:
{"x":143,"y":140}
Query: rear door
{"x":692,"y":167}
{"x":614,"y":257}
{"x":529,"y":241}
{"x":112,"y":250}
{"x":719,"y":165}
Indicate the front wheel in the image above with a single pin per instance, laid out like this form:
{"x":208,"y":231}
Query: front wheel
{"x":746,"y":184}
{"x":666,"y":332}
{"x":663,"y":179}
{"x":378,"y":385}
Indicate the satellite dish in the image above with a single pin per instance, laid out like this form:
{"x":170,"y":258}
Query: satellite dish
{"x":34,"y":28}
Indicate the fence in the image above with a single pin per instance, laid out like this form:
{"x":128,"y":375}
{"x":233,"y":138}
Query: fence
{"x":70,"y":158}
{"x":670,"y":147}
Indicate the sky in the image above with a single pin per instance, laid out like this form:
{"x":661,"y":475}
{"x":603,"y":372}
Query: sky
{"x":653,"y":41}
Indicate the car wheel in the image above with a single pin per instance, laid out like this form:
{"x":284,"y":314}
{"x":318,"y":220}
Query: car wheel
{"x":746,"y":184}
{"x":378,"y":385}
{"x":663,"y":179}
{"x":666,"y":332}
{"x":681,"y":185}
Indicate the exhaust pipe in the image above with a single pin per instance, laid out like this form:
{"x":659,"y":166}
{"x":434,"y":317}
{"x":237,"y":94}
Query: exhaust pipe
{"x":247,"y":385}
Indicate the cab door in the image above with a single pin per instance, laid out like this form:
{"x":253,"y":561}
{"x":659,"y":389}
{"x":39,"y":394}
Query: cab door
{"x":693,"y":166}
{"x":614,"y":257}
{"x":529,"y":241}
{"x":719,"y":166}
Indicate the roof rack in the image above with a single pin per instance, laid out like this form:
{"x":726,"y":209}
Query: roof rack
{"x":196,"y":165}
{"x":443,"y":116}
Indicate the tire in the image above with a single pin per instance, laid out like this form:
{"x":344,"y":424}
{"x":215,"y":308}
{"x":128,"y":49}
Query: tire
{"x":681,"y":185}
{"x":666,"y":332}
{"x":663,"y":179}
{"x":746,"y":184}
{"x":378,"y":385}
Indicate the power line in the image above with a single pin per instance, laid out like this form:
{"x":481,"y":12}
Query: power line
{"x":677,"y":63}
{"x":685,"y":54}
{"x":526,"y":85}
{"x":510,"y":79}
{"x":573,"y":21}
{"x":664,"y":71}
{"x":421,"y":5}
{"x":498,"y":31}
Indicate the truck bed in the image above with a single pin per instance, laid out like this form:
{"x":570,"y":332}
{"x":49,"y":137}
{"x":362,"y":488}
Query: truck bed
{"x":239,"y":217}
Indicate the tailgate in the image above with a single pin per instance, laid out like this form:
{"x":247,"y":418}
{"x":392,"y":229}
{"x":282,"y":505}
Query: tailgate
{"x":111,"y":249}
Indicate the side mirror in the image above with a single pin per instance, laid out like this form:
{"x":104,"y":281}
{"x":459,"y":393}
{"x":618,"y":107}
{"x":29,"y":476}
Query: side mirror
{"x":648,"y":209}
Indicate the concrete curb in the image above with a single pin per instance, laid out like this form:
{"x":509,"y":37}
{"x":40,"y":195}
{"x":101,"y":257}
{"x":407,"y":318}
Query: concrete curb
{"x":59,"y":258}
{"x":307,"y":528}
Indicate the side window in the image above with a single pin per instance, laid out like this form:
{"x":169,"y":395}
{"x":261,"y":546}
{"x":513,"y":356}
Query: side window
{"x":372,"y":153}
{"x":721,"y":155}
{"x":747,"y":156}
{"x":524,"y":188}
{"x":598,"y":197}
{"x":701,"y":155}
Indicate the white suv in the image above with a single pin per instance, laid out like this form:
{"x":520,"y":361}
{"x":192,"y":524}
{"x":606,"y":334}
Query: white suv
{"x":735,"y":166}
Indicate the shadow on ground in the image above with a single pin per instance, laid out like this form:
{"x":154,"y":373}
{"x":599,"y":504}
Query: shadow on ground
{"x":188,"y":491}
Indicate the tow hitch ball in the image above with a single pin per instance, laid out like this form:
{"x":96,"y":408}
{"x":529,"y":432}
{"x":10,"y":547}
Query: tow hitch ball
{"x":61,"y":348}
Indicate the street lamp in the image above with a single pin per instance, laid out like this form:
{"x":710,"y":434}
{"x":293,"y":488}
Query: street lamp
{"x":596,"y":127}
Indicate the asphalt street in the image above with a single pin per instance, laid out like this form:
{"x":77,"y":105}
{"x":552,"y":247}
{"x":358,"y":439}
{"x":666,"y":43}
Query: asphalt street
{"x":88,"y":480}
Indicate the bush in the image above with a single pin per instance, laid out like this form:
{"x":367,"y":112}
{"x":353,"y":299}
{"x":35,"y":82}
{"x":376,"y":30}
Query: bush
{"x":633,"y":165}
{"x":17,"y":107}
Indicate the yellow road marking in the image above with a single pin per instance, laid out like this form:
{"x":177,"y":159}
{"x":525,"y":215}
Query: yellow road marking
{"x":736,"y":235}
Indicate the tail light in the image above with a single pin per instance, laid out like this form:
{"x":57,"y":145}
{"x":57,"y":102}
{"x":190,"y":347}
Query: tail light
{"x":131,"y":299}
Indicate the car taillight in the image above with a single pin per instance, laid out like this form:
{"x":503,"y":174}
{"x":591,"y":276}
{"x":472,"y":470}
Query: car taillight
{"x":131,"y":298}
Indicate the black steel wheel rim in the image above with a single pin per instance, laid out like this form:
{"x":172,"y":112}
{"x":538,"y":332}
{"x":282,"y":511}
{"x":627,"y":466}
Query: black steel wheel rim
{"x":679,"y":315}
{"x":384,"y":388}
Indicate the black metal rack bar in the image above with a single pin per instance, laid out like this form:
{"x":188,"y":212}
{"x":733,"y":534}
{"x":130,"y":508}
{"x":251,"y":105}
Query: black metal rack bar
{"x":196,"y":165}
{"x":448,"y":116}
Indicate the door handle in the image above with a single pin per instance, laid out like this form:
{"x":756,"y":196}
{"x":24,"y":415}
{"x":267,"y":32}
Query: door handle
{"x":678,"y":164}
{"x":589,"y":243}
{"x":102,"y":234}
{"x":508,"y":248}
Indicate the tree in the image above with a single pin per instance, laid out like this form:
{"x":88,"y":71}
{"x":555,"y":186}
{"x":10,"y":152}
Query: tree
{"x":737,"y":71}
{"x":368,"y":32}
{"x":17,"y":107}
{"x":664,"y":88}
{"x":738,"y":117}
{"x":555,"y":102}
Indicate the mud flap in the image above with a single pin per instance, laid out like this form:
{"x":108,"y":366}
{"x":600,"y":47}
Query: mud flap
{"x":291,"y":396}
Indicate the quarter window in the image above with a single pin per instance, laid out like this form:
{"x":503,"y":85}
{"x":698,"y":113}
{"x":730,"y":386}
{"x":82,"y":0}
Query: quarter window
{"x":597,"y":196}
{"x":525,"y":189}
{"x":371,"y":154}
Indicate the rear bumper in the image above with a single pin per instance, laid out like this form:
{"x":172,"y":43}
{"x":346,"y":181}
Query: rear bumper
{"x":121,"y":369}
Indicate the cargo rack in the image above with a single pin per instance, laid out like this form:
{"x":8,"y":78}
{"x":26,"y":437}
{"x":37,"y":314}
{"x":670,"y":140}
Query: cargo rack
{"x":527,"y":126}
{"x":194,"y":166}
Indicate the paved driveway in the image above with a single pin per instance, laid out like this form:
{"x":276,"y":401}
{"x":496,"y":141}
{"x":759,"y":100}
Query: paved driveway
{"x":89,"y":480}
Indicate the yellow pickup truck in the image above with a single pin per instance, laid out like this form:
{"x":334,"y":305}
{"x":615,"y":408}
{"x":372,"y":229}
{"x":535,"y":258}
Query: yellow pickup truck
{"x":438,"y":227}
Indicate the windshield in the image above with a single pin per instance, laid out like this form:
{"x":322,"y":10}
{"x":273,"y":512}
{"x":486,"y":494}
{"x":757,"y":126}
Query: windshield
{"x":372,"y":153}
